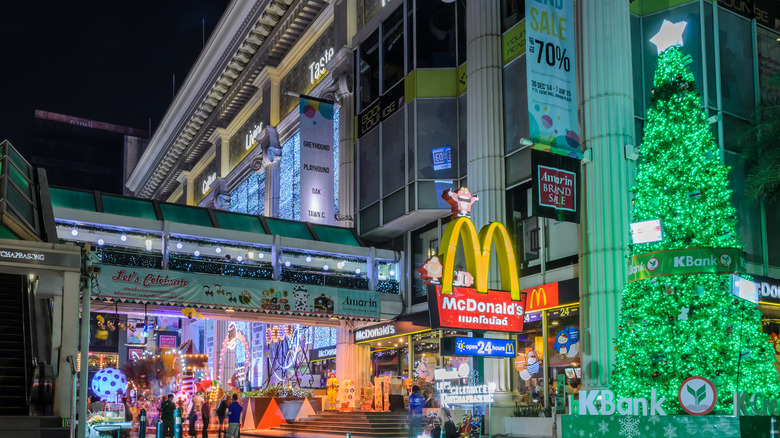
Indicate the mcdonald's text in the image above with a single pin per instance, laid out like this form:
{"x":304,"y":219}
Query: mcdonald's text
{"x":465,"y":308}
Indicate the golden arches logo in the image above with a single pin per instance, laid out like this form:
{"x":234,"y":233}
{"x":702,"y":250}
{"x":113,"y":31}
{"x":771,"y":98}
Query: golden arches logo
{"x":477,"y":248}
{"x":540,"y":295}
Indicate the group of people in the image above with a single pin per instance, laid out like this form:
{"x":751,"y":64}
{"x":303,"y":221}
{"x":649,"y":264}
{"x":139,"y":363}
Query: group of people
{"x":232,"y":411}
{"x":416,"y":404}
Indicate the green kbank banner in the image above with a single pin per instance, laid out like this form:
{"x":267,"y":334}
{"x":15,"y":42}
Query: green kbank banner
{"x":684,"y":261}
{"x":186,"y":289}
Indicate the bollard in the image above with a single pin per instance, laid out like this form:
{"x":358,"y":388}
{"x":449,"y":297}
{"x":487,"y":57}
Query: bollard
{"x":773,"y":432}
{"x":349,"y":435}
{"x":442,"y":434}
{"x":177,"y":430}
{"x":159,"y":431}
{"x":142,"y":424}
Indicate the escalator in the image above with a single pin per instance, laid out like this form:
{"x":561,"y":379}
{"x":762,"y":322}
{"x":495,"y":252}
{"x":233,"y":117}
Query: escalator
{"x":16,"y":364}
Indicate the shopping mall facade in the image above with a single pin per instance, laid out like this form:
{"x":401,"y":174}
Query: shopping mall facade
{"x":427,"y":96}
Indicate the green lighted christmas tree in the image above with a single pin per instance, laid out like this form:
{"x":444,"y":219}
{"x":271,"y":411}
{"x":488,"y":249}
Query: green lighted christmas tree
{"x":677,"y":320}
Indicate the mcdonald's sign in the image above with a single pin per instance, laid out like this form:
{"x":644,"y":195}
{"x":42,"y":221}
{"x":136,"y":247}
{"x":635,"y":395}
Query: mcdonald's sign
{"x":542,"y":297}
{"x":477,"y":248}
{"x":477,"y":308}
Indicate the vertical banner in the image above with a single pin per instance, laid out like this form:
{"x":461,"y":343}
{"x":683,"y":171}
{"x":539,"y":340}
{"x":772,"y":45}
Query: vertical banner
{"x":317,"y":185}
{"x":552,"y":90}
{"x":556,"y":186}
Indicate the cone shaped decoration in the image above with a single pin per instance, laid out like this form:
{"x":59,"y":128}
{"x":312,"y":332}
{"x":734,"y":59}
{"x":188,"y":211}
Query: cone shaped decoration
{"x":272,"y":417}
{"x":249,"y":415}
{"x":305,"y":411}
{"x":679,"y":318}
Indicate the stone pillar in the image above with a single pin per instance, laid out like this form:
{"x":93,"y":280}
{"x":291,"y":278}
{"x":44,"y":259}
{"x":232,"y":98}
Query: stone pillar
{"x":66,"y":324}
{"x":346,"y":162}
{"x":352,"y":360}
{"x":485,"y":123}
{"x":272,"y":187}
{"x":607,"y":121}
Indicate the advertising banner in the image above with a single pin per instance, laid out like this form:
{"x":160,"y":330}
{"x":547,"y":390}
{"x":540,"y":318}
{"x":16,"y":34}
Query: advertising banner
{"x":551,"y":73}
{"x":556,"y":186}
{"x":478,"y":347}
{"x":684,"y":261}
{"x":317,"y":184}
{"x":202,"y":290}
{"x":465,"y":308}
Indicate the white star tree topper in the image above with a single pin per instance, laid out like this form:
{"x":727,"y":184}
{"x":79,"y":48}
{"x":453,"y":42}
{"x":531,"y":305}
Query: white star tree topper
{"x":669,"y":35}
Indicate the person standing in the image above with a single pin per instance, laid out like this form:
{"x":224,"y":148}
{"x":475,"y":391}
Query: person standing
{"x":167,"y":407}
{"x":205,"y":415}
{"x":221,"y":410}
{"x":416,"y":403}
{"x":193,"y":417}
{"x":234,"y":418}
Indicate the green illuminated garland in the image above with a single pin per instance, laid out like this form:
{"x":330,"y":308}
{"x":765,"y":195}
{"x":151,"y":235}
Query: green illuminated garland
{"x":675,"y":327}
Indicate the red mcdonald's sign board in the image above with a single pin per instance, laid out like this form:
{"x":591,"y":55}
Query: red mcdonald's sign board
{"x":465,"y":308}
{"x":541,"y":297}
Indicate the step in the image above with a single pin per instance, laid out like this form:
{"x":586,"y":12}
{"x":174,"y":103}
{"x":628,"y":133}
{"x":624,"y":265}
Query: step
{"x":339,"y":427}
{"x":281,"y":434}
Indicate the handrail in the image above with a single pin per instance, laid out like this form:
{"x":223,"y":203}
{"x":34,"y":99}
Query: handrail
{"x":26,"y":329}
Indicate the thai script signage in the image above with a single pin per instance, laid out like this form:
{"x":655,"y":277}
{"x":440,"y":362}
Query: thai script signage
{"x":251,"y":295}
{"x":466,"y":308}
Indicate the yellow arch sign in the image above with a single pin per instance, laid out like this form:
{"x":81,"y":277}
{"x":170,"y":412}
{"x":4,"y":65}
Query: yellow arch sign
{"x":477,"y":252}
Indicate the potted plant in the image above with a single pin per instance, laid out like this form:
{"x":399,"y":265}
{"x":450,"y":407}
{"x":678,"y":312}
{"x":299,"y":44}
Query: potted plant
{"x":531,"y":420}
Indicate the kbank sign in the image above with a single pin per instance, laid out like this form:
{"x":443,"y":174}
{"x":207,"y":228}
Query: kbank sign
{"x":685,"y":261}
{"x":697,"y":396}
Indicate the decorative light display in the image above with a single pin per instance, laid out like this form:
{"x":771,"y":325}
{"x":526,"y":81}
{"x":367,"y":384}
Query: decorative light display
{"x":226,"y":345}
{"x":677,"y":326}
{"x":324,"y":337}
{"x":249,"y":195}
{"x":109,"y":383}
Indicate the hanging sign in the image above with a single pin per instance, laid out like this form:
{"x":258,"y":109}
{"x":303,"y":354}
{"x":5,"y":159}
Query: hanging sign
{"x":551,"y":73}
{"x":556,"y":186}
{"x":465,"y":308}
{"x":478,"y":347}
{"x":316,"y":162}
{"x":322,"y":354}
{"x":685,"y":261}
{"x":187,"y":289}
{"x":450,"y":394}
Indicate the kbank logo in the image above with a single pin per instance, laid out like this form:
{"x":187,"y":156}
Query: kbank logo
{"x":697,"y":395}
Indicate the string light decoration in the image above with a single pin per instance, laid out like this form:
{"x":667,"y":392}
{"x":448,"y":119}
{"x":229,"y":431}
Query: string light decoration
{"x":678,"y":326}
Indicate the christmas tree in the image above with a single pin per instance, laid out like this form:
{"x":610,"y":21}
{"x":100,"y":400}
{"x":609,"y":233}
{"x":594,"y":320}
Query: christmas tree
{"x":679,"y":318}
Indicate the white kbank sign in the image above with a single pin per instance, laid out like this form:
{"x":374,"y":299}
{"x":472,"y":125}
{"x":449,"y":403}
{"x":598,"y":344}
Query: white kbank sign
{"x":697,"y":396}
{"x":602,"y":402}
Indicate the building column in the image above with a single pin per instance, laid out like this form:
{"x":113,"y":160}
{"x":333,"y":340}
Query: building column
{"x":352,"y":360}
{"x":66,"y":323}
{"x":272,"y":188}
{"x":607,"y":121}
{"x":346,"y":162}
{"x":484,"y":114}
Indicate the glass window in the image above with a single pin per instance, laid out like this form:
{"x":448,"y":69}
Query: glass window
{"x":425,"y":244}
{"x":410,"y":36}
{"x":563,"y":350}
{"x":393,"y":153}
{"x":768,"y":65}
{"x":515,"y":104}
{"x":562,"y":239}
{"x":525,"y":229}
{"x":368,"y":168}
{"x":529,"y":361}
{"x":748,"y":213}
{"x":436,"y":135}
{"x":290,"y":179}
{"x":368,"y":70}
{"x":461,"y":11}
{"x":773,"y":233}
{"x":239,"y":222}
{"x":393,"y":49}
{"x":343,"y":236}
{"x":436,"y":32}
{"x":736,"y":66}
{"x":462,"y":135}
{"x":289,"y":229}
{"x":185,"y":214}
{"x":75,"y":199}
{"x":512,"y":11}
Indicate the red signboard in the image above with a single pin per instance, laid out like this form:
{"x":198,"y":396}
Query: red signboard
{"x":557,"y":188}
{"x":166,"y":341}
{"x":465,"y":308}
{"x":541,"y":297}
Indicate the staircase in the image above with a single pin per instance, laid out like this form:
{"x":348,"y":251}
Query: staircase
{"x":13,"y":378}
{"x":33,"y":427}
{"x":330,"y":423}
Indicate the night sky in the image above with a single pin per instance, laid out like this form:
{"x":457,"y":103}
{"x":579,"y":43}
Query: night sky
{"x":111,"y":61}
